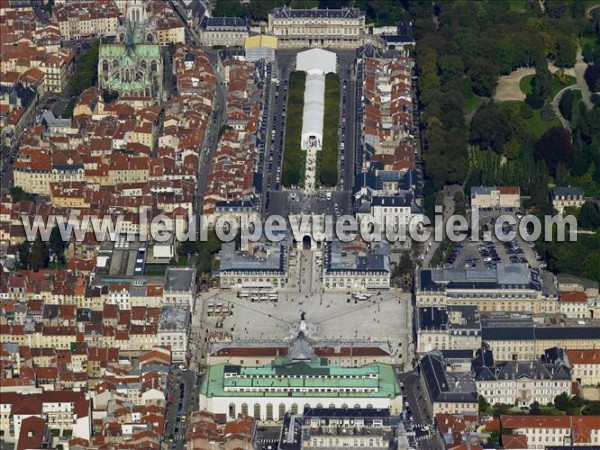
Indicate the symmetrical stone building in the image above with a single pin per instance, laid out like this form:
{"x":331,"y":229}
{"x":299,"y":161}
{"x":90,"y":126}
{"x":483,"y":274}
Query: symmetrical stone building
{"x":298,"y":28}
{"x":298,"y":381}
{"x":522,"y":382}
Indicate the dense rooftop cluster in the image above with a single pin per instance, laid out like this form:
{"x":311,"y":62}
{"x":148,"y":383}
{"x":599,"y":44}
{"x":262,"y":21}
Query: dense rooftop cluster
{"x":97,"y":334}
{"x":31,"y":61}
{"x":233,"y":174}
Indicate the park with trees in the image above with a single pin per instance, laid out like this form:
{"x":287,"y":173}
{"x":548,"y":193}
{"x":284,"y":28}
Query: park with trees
{"x":294,"y":159}
{"x":463,"y":49}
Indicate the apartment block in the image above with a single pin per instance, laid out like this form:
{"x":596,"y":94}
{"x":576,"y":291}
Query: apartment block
{"x":540,"y":432}
{"x":79,"y":19}
{"x":445,"y":390}
{"x":448,"y":328}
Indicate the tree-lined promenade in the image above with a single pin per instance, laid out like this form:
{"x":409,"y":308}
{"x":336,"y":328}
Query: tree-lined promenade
{"x":294,"y":159}
{"x":328,"y":157}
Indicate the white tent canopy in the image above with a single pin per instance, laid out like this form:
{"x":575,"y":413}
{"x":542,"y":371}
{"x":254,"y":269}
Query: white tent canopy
{"x":316,"y":63}
{"x":316,"y":59}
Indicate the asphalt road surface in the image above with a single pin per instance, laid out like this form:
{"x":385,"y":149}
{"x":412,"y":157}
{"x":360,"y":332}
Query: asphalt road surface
{"x":184,"y":386}
{"x":416,"y":401}
{"x":348,"y":126}
{"x":275,"y":135}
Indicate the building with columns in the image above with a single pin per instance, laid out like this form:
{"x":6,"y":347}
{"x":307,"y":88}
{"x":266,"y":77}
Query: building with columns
{"x":300,"y":28}
{"x":295,"y":382}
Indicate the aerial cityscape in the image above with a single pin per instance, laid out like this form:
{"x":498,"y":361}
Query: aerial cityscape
{"x":299,"y":224}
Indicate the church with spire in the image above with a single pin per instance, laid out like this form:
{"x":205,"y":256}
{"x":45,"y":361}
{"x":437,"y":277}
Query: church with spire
{"x":133,"y":65}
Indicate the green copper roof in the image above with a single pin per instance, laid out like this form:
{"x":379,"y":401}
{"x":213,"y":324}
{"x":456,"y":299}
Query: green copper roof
{"x":128,"y":85}
{"x":138,"y":50}
{"x":301,"y":375}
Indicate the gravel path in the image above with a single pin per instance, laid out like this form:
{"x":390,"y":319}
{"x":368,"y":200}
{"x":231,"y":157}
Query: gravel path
{"x":509,"y":85}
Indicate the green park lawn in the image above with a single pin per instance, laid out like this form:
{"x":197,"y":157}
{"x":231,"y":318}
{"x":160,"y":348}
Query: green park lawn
{"x":517,"y":5}
{"x":155,"y":269}
{"x":538,"y":126}
{"x":327,"y":172}
{"x":472,"y":103}
{"x":586,"y":40}
{"x":557,"y":85}
{"x":535,"y":125}
{"x":294,"y":159}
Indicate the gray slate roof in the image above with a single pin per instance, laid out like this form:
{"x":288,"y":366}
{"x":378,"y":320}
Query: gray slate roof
{"x":515,"y":276}
{"x":567,"y":191}
{"x":484,"y":369}
{"x":223,"y":24}
{"x":443,"y":386}
{"x":348,"y":13}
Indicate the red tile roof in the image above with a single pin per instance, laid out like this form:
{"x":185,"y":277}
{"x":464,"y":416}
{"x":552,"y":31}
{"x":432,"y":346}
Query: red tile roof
{"x":32,"y":433}
{"x":509,"y":190}
{"x":572,"y":297}
{"x":518,"y":441}
{"x":583,"y":356}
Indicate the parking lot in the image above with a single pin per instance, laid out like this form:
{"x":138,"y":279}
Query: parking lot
{"x":486,"y":254}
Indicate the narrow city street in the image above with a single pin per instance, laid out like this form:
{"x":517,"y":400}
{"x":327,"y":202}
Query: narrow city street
{"x":417,"y":404}
{"x":183,"y":390}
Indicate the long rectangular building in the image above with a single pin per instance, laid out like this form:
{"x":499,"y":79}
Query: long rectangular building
{"x":300,"y":28}
{"x":522,"y":382}
{"x":349,"y":354}
{"x":510,"y":287}
{"x":519,"y":337}
{"x":268,"y":392}
{"x":448,"y":328}
{"x":262,"y":263}
{"x":444,"y":390}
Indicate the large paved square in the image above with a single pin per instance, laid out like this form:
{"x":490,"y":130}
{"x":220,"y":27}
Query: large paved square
{"x":337,"y":316}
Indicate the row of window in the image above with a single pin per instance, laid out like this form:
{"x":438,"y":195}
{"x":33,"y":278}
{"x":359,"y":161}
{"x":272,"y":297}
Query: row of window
{"x":333,"y":377}
{"x":293,"y":389}
{"x":355,"y":443}
{"x":282,"y":409}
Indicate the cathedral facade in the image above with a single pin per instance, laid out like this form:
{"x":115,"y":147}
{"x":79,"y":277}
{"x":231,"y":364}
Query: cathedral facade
{"x":133,"y":66}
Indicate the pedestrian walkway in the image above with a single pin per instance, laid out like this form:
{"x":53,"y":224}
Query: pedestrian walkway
{"x":310,"y":174}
